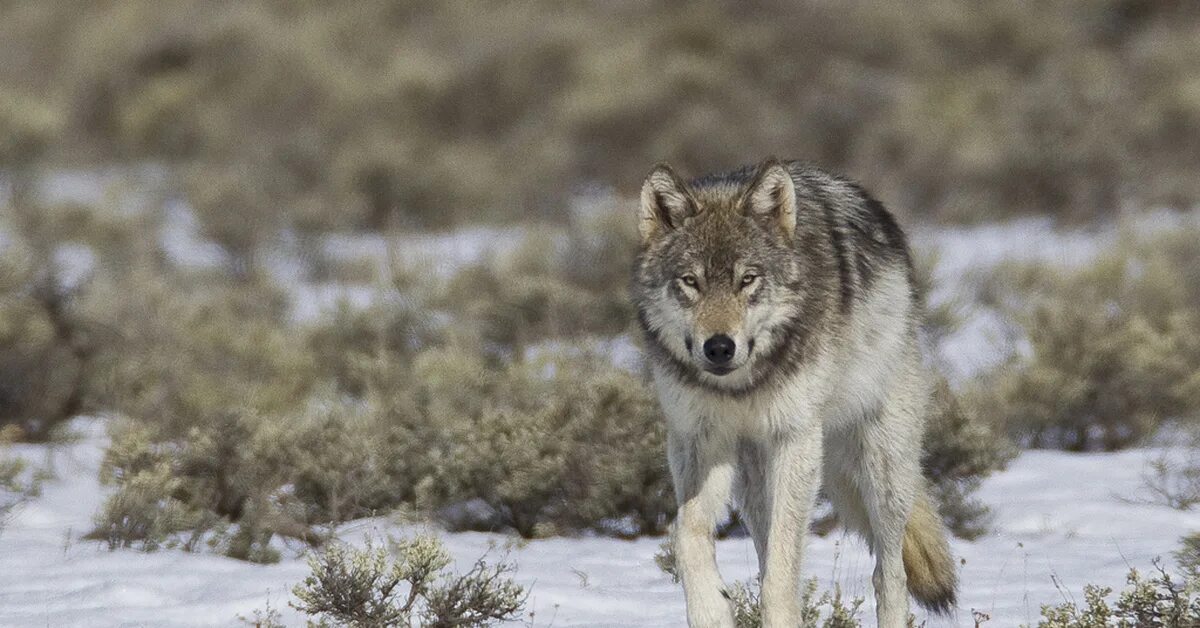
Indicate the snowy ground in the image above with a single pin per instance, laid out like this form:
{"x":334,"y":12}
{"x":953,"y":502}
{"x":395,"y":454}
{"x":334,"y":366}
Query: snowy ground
{"x":1058,"y":516}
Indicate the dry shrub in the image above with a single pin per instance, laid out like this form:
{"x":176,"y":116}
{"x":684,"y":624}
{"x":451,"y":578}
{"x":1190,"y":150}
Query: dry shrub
{"x":1154,"y":600}
{"x":197,"y":374}
{"x":1113,"y":348}
{"x":554,"y":286}
{"x":14,"y":485}
{"x":409,"y":586}
{"x":960,"y":451}
{"x":827,"y":610}
{"x":28,"y":126}
{"x":194,"y":349}
{"x":431,"y":113}
{"x":560,"y":443}
{"x":355,"y":348}
{"x":961,"y":447}
{"x":48,"y":343}
{"x":239,"y":430}
{"x":1173,"y":477}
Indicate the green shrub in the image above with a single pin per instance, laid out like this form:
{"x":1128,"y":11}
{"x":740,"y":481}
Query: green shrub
{"x":241,"y":480}
{"x":1159,"y":600}
{"x":827,"y":610}
{"x":258,"y":429}
{"x":556,"y":284}
{"x":267,"y":617}
{"x":237,"y":427}
{"x":164,"y":498}
{"x":664,"y":559}
{"x":234,"y":208}
{"x":370,"y":589}
{"x":146,"y":510}
{"x":600,"y":246}
{"x":1113,"y":347}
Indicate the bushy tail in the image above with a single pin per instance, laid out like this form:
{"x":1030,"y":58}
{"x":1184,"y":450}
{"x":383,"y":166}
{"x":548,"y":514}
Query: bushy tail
{"x":932,"y":577}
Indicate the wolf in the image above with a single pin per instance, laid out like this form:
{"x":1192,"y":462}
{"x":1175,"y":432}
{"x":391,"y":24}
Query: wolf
{"x":781,"y":322}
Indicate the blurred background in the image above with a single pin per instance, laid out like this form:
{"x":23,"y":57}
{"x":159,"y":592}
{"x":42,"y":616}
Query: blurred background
{"x":285,"y":265}
{"x":370,"y":115}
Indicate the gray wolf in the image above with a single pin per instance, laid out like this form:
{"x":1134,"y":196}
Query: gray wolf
{"x":781,"y":324}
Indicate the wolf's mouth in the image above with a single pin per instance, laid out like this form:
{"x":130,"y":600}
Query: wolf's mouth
{"x":719,"y":370}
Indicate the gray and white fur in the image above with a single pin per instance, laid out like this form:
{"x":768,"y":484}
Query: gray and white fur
{"x":781,"y":322}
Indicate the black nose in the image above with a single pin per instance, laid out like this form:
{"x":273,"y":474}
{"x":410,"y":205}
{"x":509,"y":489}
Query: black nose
{"x":719,"y":349}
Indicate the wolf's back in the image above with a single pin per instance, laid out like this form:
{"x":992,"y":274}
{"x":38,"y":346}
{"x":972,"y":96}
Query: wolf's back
{"x":865,"y":241}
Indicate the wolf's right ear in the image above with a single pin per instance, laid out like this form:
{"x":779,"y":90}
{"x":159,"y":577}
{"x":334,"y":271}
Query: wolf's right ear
{"x":665,"y":203}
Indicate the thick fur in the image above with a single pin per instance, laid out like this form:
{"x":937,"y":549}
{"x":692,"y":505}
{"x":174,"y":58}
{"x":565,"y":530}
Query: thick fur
{"x":927,"y":561}
{"x":811,"y":280}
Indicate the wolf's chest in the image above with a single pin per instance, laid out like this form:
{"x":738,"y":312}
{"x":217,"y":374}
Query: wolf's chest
{"x":791,"y":405}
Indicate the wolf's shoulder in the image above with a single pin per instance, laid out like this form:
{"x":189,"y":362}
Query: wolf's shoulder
{"x":865,"y":240}
{"x":850,"y":209}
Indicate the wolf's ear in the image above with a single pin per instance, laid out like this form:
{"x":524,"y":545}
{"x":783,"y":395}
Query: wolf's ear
{"x":772,"y":196}
{"x":665,"y":203}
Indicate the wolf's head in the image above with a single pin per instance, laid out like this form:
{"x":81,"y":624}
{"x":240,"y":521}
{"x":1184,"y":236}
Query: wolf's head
{"x":718,"y":280}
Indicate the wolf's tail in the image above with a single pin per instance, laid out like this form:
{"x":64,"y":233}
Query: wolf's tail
{"x":932,"y":577}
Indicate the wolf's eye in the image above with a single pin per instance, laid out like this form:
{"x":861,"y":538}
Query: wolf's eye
{"x":689,"y":281}
{"x":748,"y":279}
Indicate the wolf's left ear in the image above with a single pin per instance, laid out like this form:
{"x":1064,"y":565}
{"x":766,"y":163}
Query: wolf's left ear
{"x":772,"y":196}
{"x":665,"y":203}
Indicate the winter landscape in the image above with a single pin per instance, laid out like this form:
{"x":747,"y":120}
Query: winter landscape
{"x":1060,"y":523}
{"x":318,"y":314}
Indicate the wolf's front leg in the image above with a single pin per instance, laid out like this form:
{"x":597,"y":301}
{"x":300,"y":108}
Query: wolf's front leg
{"x":702,"y":469}
{"x":792,"y":481}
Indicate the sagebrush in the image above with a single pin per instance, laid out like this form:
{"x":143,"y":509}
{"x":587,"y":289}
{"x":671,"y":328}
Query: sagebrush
{"x":313,"y":116}
{"x":1113,"y":347}
{"x":407,"y":584}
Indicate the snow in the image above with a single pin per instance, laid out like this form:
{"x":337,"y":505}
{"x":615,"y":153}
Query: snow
{"x":443,"y":252}
{"x":1057,"y":516}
